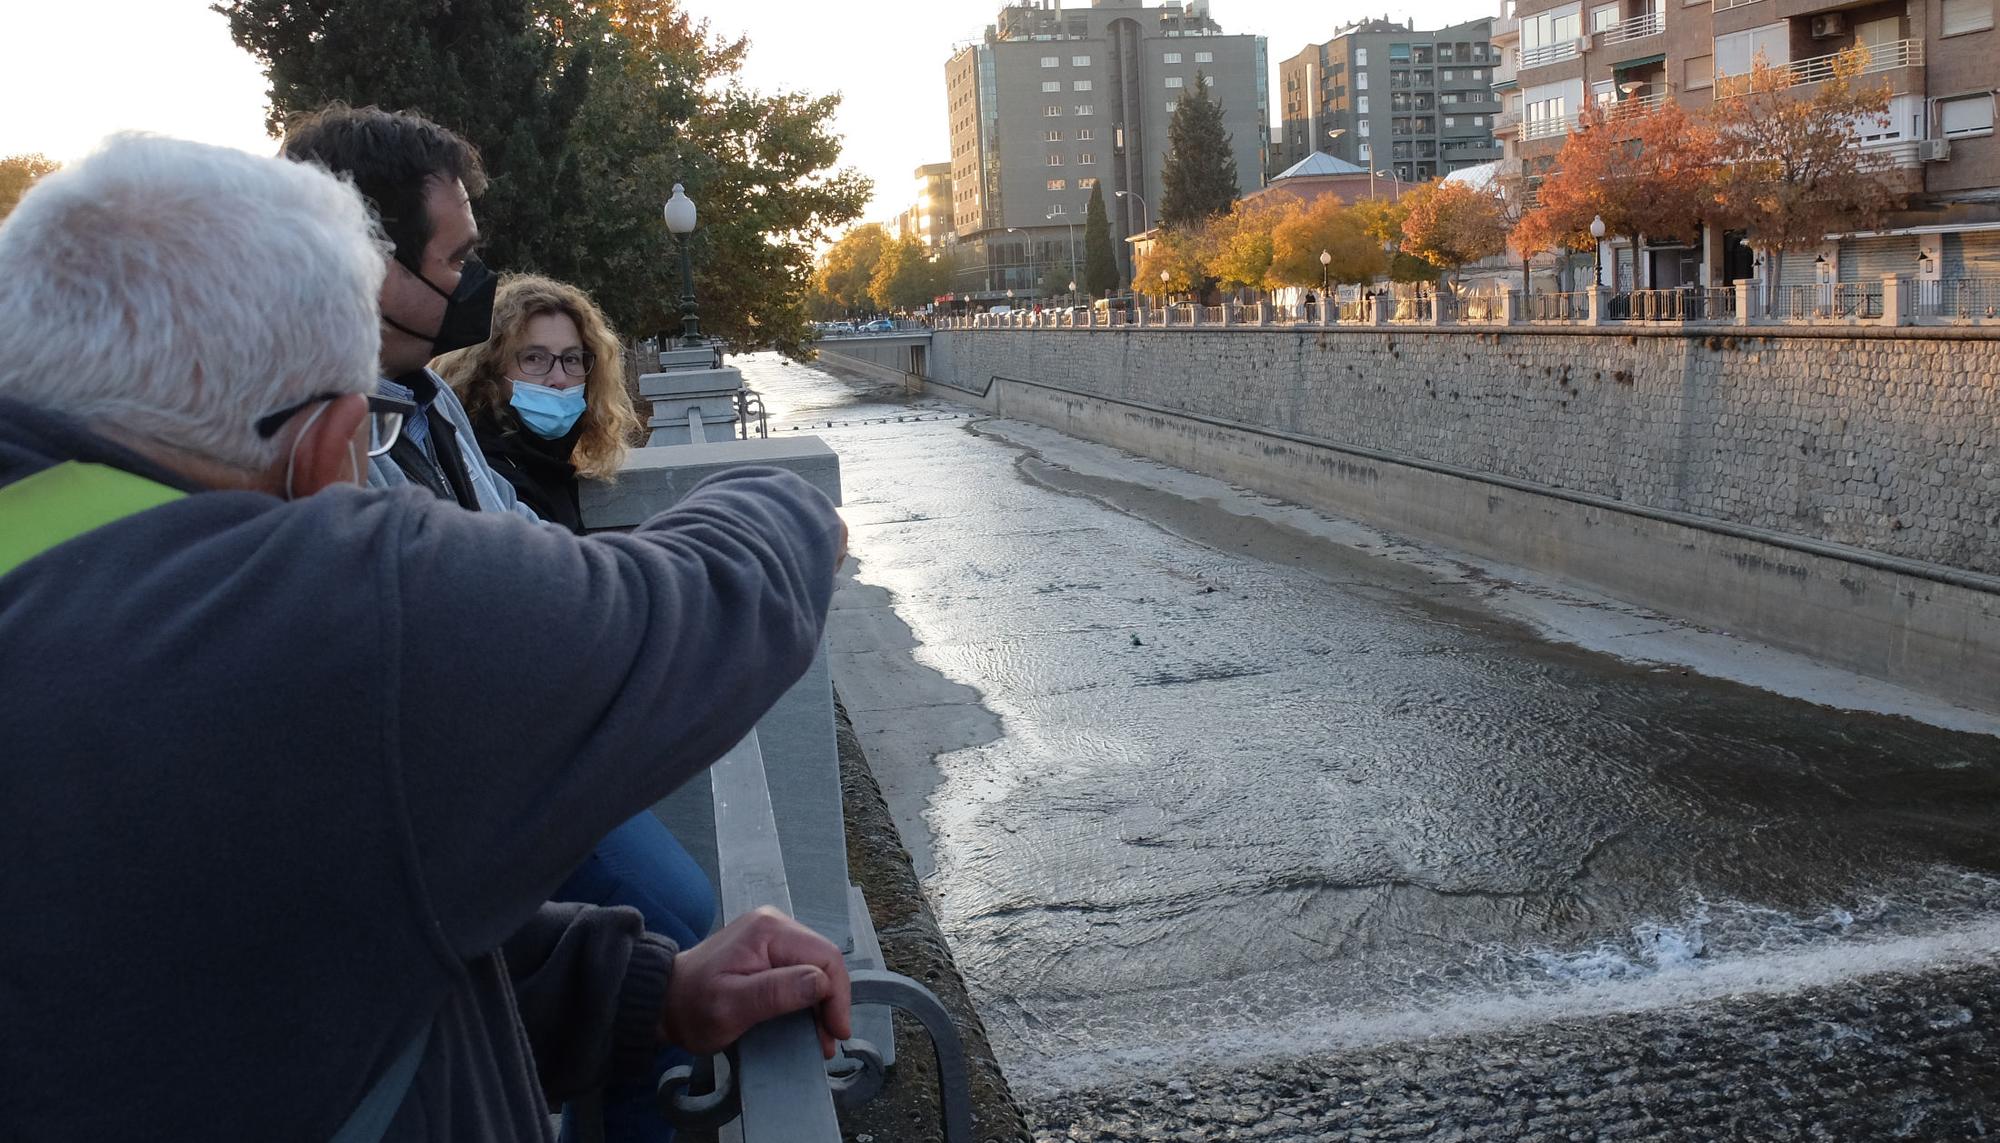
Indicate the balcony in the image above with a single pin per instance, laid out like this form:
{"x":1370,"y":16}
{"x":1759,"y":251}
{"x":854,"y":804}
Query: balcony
{"x":1554,"y":53}
{"x":1883,"y":57}
{"x":1506,"y":121}
{"x":1648,"y":98}
{"x":1552,"y":127}
{"x":1638,"y":27}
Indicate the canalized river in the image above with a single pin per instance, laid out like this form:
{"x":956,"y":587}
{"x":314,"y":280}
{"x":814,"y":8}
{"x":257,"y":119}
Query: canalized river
{"x":1244,"y":821}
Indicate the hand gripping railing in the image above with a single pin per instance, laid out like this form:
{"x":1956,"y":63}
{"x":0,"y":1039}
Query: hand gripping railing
{"x":773,"y":1082}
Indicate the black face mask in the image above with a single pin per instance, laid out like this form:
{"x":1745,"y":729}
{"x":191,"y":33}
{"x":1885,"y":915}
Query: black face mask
{"x":468,"y":310}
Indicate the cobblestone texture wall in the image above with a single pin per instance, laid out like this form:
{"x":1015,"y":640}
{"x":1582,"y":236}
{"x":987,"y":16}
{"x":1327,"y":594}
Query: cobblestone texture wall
{"x":1890,"y":443}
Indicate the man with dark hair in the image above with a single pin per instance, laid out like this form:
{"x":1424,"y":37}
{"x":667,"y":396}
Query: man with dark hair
{"x":421,"y":179}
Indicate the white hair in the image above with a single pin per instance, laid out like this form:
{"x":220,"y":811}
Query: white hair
{"x":179,"y":292}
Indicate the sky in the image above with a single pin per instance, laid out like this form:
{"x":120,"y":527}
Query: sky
{"x":168,"y":66}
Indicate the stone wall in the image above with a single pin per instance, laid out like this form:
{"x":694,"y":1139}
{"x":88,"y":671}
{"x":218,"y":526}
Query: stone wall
{"x":1886,"y":443}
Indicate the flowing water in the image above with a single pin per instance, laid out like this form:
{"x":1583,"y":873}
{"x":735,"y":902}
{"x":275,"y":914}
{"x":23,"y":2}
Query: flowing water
{"x":1286,"y":829}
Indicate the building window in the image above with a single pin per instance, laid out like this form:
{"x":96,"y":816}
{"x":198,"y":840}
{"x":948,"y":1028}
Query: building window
{"x":1444,"y":76}
{"x":1085,"y":109}
{"x":1080,"y":85}
{"x":1056,"y":208}
{"x":1362,"y":128}
{"x":1361,"y":81}
{"x":1053,"y":137}
{"x":1361,"y":104}
{"x":1700,"y":72}
{"x":1966,"y":116}
{"x":1204,"y":57}
{"x":1361,"y":57}
{"x":1174,"y":81}
{"x":1170,"y":106}
{"x":1366,"y":152}
{"x":1450,"y":121}
{"x":1479,"y":121}
{"x":1085,"y":134}
{"x":1208,"y":81}
{"x":1086,"y":159}
{"x":1052,"y":111}
{"x":1961,"y":16}
{"x":1173,"y":57}
{"x":1058,"y":184}
{"x":1604,"y":19}
{"x":1055,"y":160}
{"x":1086,"y":184}
{"x":1079,"y":61}
{"x":1051,"y":61}
{"x":1052,"y":85}
{"x":1734,"y":52}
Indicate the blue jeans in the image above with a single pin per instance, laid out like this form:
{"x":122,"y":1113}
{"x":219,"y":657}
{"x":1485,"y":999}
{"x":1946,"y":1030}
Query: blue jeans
{"x":641,"y":865}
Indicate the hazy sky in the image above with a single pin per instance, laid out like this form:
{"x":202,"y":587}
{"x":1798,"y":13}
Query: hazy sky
{"x":168,"y":66}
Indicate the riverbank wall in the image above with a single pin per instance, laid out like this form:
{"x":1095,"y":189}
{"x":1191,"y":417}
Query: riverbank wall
{"x":1836,"y":495}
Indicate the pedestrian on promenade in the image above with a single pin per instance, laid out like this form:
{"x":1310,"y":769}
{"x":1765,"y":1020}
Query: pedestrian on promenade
{"x":546,"y":396}
{"x":276,"y":787}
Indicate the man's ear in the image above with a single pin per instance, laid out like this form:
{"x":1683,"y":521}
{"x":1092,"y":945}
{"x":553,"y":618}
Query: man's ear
{"x":330,"y":450}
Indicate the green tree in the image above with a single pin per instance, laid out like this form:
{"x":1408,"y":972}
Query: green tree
{"x":1100,"y":260}
{"x":586,"y":113}
{"x":484,"y":68}
{"x":17,"y":174}
{"x":908,"y":276}
{"x":1200,"y":169}
{"x":845,"y":276}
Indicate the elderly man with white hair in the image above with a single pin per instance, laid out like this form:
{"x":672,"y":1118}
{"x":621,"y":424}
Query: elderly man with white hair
{"x":273,"y":788}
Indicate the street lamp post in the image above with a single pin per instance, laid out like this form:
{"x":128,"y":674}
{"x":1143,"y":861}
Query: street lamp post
{"x":1391,"y":175}
{"x":1597,"y":251}
{"x":1030,"y":248}
{"x":1145,"y":212}
{"x":1072,"y":246}
{"x":1163,"y":289}
{"x":681,"y":218}
{"x":1325,"y":260}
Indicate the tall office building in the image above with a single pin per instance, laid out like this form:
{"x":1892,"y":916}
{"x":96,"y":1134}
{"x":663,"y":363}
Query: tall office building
{"x":1057,"y":101}
{"x":1390,"y":98}
{"x":1935,"y":56}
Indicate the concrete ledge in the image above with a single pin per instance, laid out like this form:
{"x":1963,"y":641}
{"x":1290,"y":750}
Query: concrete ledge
{"x":868,"y":368}
{"x":656,"y":478}
{"x":1928,"y":627}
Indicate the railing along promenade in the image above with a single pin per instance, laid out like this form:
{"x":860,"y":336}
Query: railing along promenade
{"x":766,"y":822}
{"x":1892,"y":301}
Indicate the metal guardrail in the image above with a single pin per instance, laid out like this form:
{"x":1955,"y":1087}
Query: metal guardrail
{"x":1548,"y":127}
{"x":1550,"y":53}
{"x":773,"y":1082}
{"x":1572,"y":307}
{"x":1955,"y":299}
{"x":1880,"y":57}
{"x":1836,"y":300}
{"x":1679,"y":303}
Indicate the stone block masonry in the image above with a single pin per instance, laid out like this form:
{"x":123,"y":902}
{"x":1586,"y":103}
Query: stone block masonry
{"x":1839,"y":495}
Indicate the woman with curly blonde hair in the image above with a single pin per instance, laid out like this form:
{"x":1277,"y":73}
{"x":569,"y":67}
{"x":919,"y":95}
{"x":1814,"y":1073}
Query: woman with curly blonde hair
{"x":546,"y":394}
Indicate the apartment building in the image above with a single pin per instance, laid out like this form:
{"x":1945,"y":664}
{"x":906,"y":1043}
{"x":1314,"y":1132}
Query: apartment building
{"x":1384,"y":96}
{"x":1938,"y":58}
{"x":1055,"y":102}
{"x":930,"y":219}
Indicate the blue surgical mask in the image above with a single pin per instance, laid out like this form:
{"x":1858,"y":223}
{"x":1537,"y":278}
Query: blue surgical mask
{"x":548,"y":413}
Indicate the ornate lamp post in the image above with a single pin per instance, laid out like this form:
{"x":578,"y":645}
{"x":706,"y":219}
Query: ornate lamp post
{"x":1325,"y":260}
{"x":1597,"y":251}
{"x":680,"y":214}
{"x":1072,"y":291}
{"x":1163,"y":289}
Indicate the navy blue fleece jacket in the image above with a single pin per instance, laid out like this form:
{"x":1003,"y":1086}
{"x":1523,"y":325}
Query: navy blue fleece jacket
{"x":277,"y":780}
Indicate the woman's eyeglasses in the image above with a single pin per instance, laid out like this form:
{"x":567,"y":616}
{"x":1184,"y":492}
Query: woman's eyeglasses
{"x":385,"y":419}
{"x":539,"y":362}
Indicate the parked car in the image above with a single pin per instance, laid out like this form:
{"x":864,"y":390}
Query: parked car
{"x":1115,"y":302}
{"x":880,"y":325}
{"x":1001,"y":311}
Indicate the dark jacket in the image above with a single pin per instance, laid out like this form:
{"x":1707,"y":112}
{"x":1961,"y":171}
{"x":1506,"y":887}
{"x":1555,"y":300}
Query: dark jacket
{"x":538,"y":468}
{"x":274,"y":788}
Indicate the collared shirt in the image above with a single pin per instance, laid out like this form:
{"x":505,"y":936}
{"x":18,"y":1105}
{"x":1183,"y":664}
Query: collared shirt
{"x":487,"y":489}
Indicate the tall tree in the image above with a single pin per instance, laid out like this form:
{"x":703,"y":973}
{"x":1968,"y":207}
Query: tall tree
{"x":908,"y":276}
{"x":17,"y":174}
{"x":1179,"y":253}
{"x":1199,"y":174}
{"x":1238,"y":244}
{"x":1451,"y":224}
{"x":484,"y":68}
{"x":1792,"y":173}
{"x":586,"y":113}
{"x":1100,"y":260}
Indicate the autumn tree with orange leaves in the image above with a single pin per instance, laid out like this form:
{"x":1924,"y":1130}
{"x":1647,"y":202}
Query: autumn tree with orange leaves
{"x":1791,"y":173}
{"x":1646,"y":171}
{"x":1451,"y":224}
